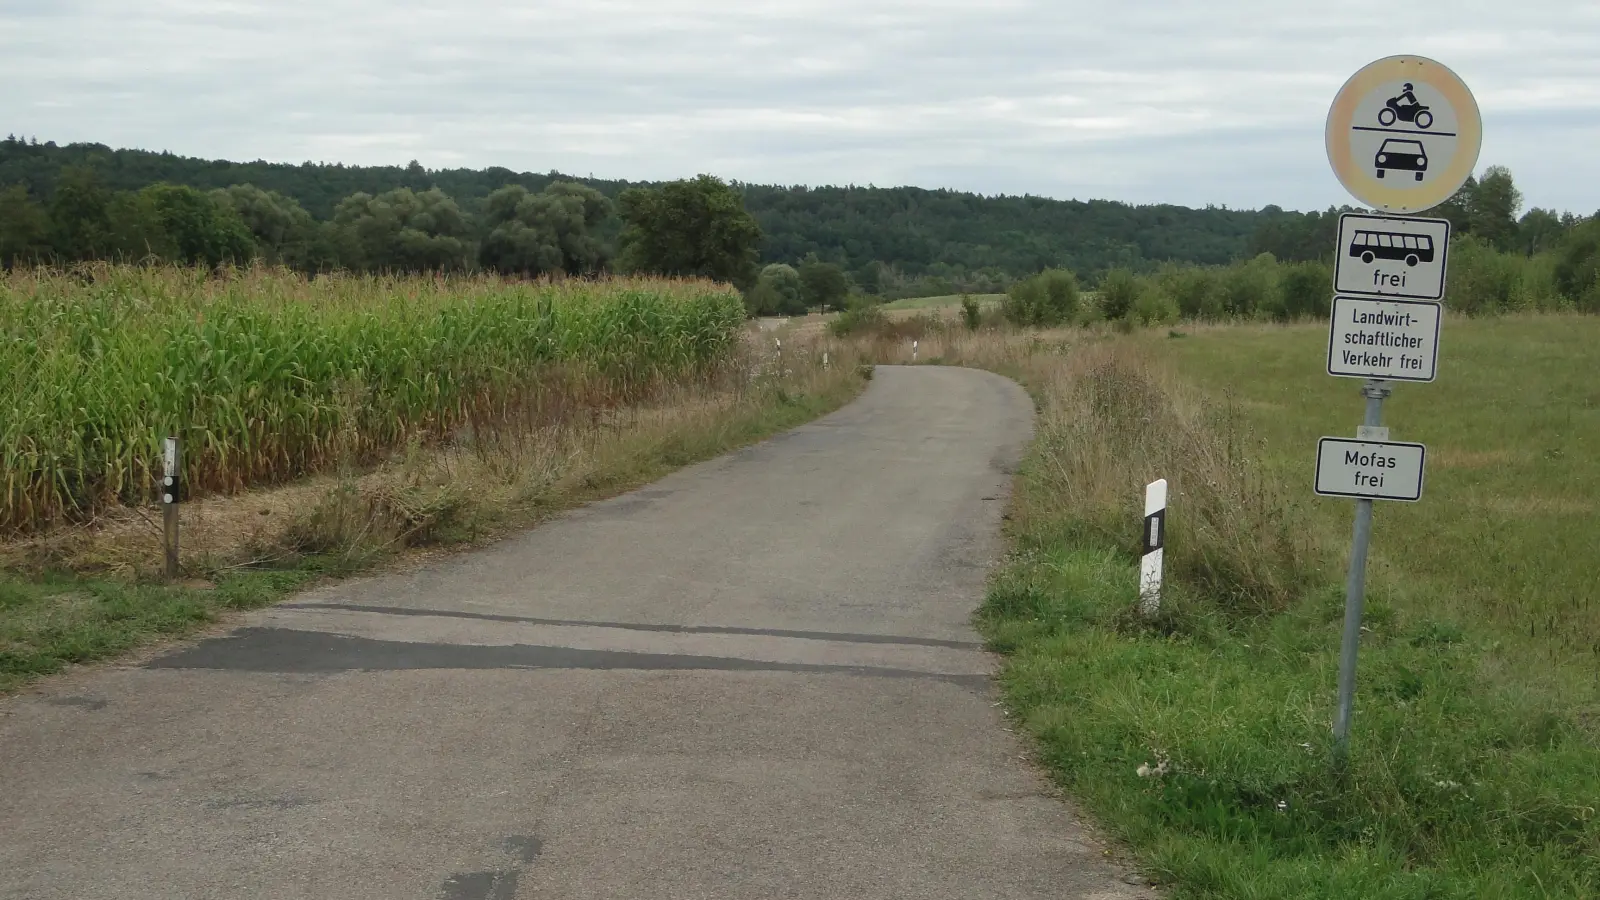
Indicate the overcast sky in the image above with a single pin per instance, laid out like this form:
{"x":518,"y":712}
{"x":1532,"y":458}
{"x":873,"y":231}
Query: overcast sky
{"x":1197,"y":103}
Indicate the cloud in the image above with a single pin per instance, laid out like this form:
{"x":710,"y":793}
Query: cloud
{"x":1182,"y":102}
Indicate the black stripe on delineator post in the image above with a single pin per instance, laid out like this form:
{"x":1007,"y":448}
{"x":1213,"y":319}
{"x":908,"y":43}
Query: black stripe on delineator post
{"x":1155,"y":531}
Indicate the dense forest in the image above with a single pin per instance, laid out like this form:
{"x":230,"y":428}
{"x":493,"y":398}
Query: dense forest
{"x":80,"y":201}
{"x":908,"y":231}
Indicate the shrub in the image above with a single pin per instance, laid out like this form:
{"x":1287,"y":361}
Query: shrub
{"x":761,"y":300}
{"x":1154,"y":306}
{"x":1482,"y":281}
{"x":1576,"y":273}
{"x":1251,"y":288}
{"x":971,"y":313}
{"x":859,"y":317}
{"x":1196,"y":290}
{"x":1306,"y":289}
{"x":1048,"y":298}
{"x":1119,"y":290}
{"x":1537,"y":286}
{"x":777,"y":292}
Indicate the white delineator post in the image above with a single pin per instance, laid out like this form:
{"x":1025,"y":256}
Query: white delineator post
{"x":913,"y":351}
{"x":1155,"y":539}
{"x":171,"y":495}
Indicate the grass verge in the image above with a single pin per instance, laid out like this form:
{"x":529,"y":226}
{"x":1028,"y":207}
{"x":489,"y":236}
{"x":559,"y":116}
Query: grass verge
{"x":84,"y":594}
{"x":1202,"y":739}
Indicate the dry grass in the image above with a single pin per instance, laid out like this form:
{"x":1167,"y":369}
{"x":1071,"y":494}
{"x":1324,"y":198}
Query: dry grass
{"x":1113,"y":417}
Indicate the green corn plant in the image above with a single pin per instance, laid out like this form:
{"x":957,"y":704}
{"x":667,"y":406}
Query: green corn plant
{"x":255,"y":370}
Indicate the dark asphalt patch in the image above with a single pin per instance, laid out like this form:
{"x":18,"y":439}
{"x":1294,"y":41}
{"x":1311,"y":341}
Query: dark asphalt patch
{"x":83,"y":702}
{"x":500,"y":884}
{"x":481,"y":886}
{"x":287,"y":651}
{"x":524,"y":847}
{"x":846,"y":638}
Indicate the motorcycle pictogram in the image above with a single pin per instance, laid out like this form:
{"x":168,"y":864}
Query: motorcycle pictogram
{"x":1405,"y":108}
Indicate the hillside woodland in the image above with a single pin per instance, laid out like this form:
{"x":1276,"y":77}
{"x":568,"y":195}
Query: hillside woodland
{"x":788,"y":248}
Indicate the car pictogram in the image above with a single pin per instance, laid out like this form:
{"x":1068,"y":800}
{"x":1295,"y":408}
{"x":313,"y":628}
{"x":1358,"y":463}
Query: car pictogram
{"x":1401,"y":155}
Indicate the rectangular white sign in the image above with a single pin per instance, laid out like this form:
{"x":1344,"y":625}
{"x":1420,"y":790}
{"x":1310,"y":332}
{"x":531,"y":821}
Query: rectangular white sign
{"x":1391,"y":256}
{"x":1373,"y":470}
{"x":1392,"y":340}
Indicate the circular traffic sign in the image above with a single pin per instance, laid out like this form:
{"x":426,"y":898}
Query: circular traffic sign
{"x":1403,"y":134}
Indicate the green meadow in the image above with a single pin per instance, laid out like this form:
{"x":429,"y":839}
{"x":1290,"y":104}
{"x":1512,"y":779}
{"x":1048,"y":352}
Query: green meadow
{"x":1202,"y":738}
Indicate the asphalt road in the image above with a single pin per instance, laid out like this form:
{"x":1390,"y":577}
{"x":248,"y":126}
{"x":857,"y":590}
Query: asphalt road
{"x":755,"y":678}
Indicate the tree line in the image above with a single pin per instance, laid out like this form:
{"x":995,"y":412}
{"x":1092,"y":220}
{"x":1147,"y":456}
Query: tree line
{"x":1488,"y":208}
{"x":690,"y":228}
{"x":1484,"y":279}
{"x":890,"y":241}
{"x":789,"y":248}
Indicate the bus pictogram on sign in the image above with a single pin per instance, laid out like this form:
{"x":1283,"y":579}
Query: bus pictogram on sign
{"x":1411,"y":249}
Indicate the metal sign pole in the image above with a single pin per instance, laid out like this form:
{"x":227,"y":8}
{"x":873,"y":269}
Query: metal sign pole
{"x":1399,"y":153}
{"x":1356,"y":584}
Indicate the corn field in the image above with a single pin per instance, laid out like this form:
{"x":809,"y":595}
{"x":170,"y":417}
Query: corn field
{"x":267,"y":376}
